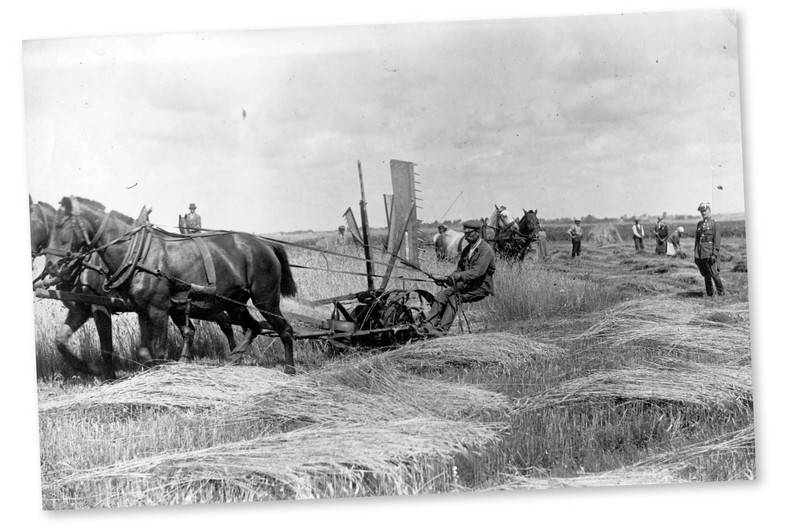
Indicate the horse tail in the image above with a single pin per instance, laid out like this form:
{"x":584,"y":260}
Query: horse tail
{"x":287,"y":285}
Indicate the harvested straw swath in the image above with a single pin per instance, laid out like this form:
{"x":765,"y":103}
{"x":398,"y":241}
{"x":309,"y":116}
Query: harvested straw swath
{"x":398,"y":457}
{"x":632,"y":475}
{"x":369,"y":391}
{"x":502,"y":350}
{"x":671,"y":467}
{"x":668,"y":325}
{"x":740,"y":441}
{"x":735,"y":313}
{"x":176,"y":386}
{"x":646,"y":284}
{"x":715,"y":386}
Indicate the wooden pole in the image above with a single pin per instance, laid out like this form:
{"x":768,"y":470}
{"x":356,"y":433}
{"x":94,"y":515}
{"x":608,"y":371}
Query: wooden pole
{"x":365,"y":232}
{"x":394,"y":253}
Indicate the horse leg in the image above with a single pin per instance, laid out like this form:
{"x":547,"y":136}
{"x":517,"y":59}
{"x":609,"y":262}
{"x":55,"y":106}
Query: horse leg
{"x":186,"y":328}
{"x":272,"y":314}
{"x":227,"y":329}
{"x":251,"y":330}
{"x":103,"y":321}
{"x":74,"y":320}
{"x":153,"y":336}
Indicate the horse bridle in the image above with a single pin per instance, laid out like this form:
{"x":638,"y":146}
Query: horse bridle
{"x":89,"y":243}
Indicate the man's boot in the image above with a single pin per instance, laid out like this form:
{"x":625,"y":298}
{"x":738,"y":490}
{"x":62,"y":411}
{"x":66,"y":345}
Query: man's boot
{"x":719,"y":285}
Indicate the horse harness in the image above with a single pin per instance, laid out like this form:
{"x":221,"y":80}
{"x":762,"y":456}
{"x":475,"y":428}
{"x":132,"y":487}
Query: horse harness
{"x":140,"y":237}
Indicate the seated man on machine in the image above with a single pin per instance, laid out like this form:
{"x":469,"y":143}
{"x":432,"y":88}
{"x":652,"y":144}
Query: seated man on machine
{"x":471,"y":281}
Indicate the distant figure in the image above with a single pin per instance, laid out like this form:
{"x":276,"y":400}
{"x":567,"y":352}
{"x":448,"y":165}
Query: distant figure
{"x":541,"y":243}
{"x":576,"y":234}
{"x":472,"y":281}
{"x":637,"y":234}
{"x":707,"y":250}
{"x":660,"y":231}
{"x":448,"y":243}
{"x":191,"y":222}
{"x":440,"y":242}
{"x":674,"y":243}
{"x":341,"y":235}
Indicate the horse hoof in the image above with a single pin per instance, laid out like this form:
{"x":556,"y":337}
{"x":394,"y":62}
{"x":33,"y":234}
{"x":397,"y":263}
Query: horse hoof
{"x":290,"y":370}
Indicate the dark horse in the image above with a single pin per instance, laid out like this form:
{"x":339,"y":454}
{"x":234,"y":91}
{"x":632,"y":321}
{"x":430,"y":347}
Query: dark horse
{"x":512,"y":242}
{"x":90,"y":280}
{"x":42,"y":218}
{"x":161,"y":274}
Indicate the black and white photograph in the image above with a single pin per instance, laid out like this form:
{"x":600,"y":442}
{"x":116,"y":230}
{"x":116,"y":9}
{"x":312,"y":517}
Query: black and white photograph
{"x":493,"y":257}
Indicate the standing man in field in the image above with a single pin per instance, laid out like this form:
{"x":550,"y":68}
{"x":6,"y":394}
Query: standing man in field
{"x":472,"y":281}
{"x":440,"y":242}
{"x":661,"y":234}
{"x":576,"y":234}
{"x":191,"y":222}
{"x":707,"y":250}
{"x":637,"y":234}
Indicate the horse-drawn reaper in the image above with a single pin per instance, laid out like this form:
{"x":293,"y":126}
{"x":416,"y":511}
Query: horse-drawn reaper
{"x":210,"y":276}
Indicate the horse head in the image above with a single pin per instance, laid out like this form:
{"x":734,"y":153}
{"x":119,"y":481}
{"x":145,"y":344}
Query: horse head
{"x":42,"y":218}
{"x":78,"y":226}
{"x":529,"y":224}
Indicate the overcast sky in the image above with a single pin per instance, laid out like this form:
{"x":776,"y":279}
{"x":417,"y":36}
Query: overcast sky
{"x":603,"y":115}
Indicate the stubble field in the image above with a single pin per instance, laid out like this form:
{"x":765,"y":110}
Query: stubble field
{"x":611,"y":369}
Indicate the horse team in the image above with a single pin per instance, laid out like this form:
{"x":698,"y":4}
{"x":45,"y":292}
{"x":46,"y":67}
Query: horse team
{"x":161,"y":275}
{"x":510,"y":238}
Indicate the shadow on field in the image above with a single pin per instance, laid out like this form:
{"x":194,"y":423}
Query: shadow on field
{"x":692,"y":294}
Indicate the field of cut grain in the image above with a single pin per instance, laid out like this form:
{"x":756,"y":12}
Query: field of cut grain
{"x":611,"y":369}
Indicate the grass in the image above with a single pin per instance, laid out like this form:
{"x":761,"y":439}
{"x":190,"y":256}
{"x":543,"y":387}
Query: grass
{"x":610,"y":369}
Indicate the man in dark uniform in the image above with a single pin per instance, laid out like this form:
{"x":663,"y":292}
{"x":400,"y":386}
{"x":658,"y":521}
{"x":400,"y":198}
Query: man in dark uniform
{"x":707,"y":250}
{"x":471,"y":281}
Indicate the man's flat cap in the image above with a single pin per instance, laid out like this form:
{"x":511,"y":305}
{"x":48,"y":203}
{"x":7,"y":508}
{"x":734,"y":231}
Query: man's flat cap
{"x":472,"y":224}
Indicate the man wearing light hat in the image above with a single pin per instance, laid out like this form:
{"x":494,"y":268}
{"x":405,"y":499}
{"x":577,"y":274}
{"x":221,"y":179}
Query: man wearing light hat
{"x":707,"y":250}
{"x":192,"y":223}
{"x":472,"y":281}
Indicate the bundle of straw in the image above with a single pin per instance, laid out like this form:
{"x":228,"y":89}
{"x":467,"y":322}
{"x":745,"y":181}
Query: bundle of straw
{"x":399,"y":457}
{"x":624,"y":476}
{"x":174,"y":386}
{"x":671,"y":325}
{"x":501,"y":351}
{"x":738,"y":442}
{"x":715,"y":386}
{"x":670,"y":467}
{"x":369,"y":391}
{"x":603,"y":234}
